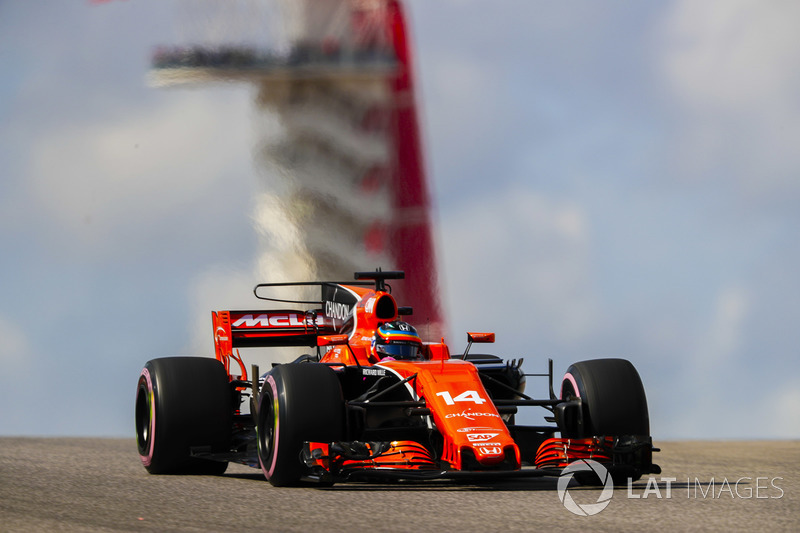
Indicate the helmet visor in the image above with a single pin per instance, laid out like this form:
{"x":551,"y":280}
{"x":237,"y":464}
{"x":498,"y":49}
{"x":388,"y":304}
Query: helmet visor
{"x":399,"y":350}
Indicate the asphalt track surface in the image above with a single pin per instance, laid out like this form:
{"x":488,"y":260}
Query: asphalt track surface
{"x":68,"y":484}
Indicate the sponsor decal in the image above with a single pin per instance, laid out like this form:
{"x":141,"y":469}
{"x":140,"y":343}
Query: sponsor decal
{"x":270,"y":321}
{"x":486,"y":444}
{"x":373,"y":372}
{"x":471,"y":415}
{"x":474,"y":430}
{"x":494,"y":450}
{"x":220,"y":333}
{"x":338,"y":310}
{"x":481,"y":437}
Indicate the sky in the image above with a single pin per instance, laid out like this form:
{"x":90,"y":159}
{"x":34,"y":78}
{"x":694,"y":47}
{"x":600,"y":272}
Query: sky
{"x":610,"y":179}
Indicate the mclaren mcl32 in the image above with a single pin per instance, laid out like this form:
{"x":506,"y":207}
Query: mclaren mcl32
{"x":372,"y":401}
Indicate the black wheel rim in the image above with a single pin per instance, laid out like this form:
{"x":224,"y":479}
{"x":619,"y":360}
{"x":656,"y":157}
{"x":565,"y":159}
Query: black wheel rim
{"x":266,"y":430}
{"x":143,"y":421}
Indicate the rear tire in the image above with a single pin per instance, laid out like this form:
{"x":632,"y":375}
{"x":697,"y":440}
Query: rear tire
{"x":299,"y":402}
{"x":613,"y":398}
{"x":181,"y":403}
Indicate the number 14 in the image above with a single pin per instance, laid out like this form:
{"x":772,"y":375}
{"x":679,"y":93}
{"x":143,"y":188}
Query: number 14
{"x":466,"y":396}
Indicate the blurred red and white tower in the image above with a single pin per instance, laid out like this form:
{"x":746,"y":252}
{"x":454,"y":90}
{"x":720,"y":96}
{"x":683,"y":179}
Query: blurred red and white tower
{"x":344,"y":182}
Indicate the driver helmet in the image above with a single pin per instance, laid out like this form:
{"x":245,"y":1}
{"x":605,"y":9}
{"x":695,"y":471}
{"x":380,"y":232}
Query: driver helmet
{"x":398,"y":340}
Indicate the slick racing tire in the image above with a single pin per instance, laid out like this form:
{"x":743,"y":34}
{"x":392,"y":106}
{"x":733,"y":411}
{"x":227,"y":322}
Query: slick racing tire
{"x":299,"y":402}
{"x":612,"y":395}
{"x":183,"y":403}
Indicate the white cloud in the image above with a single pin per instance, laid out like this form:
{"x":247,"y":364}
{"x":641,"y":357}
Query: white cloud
{"x":779,"y":413}
{"x":522,"y":253}
{"x":95,"y":177}
{"x":732,"y":67}
{"x":723,"y":339}
{"x":708,"y":411}
{"x":218,"y":288}
{"x":15,"y":350}
{"x":16,"y":360}
{"x":468,"y":115}
{"x":728,"y":54}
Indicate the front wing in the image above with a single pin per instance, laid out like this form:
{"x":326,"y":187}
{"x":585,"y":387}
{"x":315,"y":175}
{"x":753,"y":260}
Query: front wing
{"x":623,"y":457}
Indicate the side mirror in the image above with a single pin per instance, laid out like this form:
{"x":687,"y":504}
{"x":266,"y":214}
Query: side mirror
{"x":473,"y":336}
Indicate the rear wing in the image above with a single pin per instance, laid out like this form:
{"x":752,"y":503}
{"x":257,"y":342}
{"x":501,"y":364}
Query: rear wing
{"x":247,"y":329}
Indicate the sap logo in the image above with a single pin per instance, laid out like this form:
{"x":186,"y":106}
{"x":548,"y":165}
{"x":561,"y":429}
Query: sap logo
{"x":269,"y":321}
{"x":481,"y":437}
{"x":337,"y":310}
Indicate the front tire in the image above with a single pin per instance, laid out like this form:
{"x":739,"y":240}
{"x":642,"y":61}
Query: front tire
{"x":181,"y":403}
{"x":299,"y":402}
{"x":612,"y":395}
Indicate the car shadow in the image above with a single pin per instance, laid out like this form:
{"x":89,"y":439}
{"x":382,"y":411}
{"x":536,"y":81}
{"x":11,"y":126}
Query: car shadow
{"x":499,"y":485}
{"x":528,"y":484}
{"x":508,"y":485}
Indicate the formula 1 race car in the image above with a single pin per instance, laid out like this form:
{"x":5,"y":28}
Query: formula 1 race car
{"x":374,"y":402}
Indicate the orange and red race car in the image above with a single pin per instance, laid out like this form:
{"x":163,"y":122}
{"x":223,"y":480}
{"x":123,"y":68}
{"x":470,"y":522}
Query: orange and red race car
{"x":375,"y":402}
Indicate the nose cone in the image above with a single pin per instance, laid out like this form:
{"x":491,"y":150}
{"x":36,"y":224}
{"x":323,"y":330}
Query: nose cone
{"x":490,"y":455}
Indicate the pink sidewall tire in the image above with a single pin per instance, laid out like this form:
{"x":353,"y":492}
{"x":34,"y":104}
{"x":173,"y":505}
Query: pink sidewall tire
{"x":299,"y":402}
{"x":613,"y":397}
{"x":182,"y":403}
